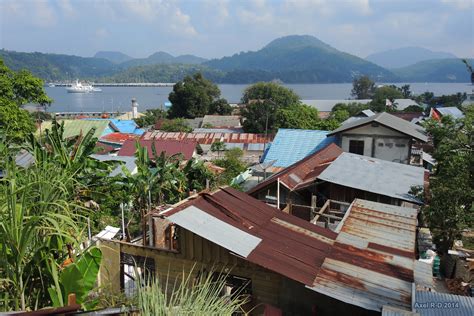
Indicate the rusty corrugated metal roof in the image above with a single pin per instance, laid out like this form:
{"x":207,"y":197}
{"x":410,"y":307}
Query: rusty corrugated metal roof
{"x":117,"y":138}
{"x":372,"y":261}
{"x":304,"y":171}
{"x":170,"y":147}
{"x":288,"y":245}
{"x":209,"y":138}
{"x":368,"y":262}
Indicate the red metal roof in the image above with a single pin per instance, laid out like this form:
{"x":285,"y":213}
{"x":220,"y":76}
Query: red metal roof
{"x":170,"y":147}
{"x":304,"y":171}
{"x":209,"y":138}
{"x":117,"y":138}
{"x":102,"y":149}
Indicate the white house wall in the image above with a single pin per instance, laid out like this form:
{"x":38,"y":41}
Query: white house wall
{"x":379,"y":142}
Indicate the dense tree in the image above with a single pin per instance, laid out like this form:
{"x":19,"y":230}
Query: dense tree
{"x":218,"y":146}
{"x":150,"y":117}
{"x":220,"y":107}
{"x":414,"y":108}
{"x":193,"y":97}
{"x":233,"y":164}
{"x":353,"y":108}
{"x":297,"y":116}
{"x":175,"y":125}
{"x":381,"y":95}
{"x":16,"y":90}
{"x":449,"y":207}
{"x":363,"y":88}
{"x":263,"y":100}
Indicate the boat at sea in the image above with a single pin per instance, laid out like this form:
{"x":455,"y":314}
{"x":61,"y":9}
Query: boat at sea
{"x":78,"y":87}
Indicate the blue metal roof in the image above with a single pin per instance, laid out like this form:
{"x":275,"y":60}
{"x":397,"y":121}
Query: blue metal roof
{"x":292,"y":145}
{"x":452,"y":110}
{"x":120,"y":126}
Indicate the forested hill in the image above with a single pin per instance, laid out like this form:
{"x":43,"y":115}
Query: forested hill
{"x":436,"y":70}
{"x":300,"y":59}
{"x":51,"y":67}
{"x":290,"y":59}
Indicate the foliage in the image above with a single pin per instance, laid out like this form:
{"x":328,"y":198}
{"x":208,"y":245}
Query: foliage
{"x":363,"y":88}
{"x":450,"y":201}
{"x":197,"y":174}
{"x":150,"y":117}
{"x":381,"y":95}
{"x":353,"y":108}
{"x":189,"y":297}
{"x":218,"y":146}
{"x":193,"y":97}
{"x":38,"y":217}
{"x":263,"y":100}
{"x":17,"y":89}
{"x":78,"y":277}
{"x":175,"y":125}
{"x":339,"y":115}
{"x":220,"y":107}
{"x":232,"y":162}
{"x":41,"y":116}
{"x":414,"y":108}
{"x":297,"y":116}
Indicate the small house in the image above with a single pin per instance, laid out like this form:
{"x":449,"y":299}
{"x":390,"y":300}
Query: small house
{"x":382,"y":136}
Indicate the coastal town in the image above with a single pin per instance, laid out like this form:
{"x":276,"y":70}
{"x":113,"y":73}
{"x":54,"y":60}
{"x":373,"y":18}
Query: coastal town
{"x":278,"y":203}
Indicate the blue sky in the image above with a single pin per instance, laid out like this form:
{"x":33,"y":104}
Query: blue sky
{"x":215,"y":28}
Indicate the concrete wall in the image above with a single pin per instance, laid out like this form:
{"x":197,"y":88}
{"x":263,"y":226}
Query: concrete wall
{"x":379,"y":142}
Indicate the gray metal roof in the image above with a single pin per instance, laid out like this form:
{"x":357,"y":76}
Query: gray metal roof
{"x":374,"y":175}
{"x":452,"y":111}
{"x":24,"y":159}
{"x":219,"y":232}
{"x":221,"y":120}
{"x":389,"y":121}
{"x":129,"y":163}
{"x":437,"y":304}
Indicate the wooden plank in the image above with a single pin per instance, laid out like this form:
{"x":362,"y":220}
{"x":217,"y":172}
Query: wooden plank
{"x":321,"y":211}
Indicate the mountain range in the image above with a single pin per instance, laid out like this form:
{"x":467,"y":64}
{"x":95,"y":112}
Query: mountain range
{"x":290,"y":59}
{"x":405,"y":56}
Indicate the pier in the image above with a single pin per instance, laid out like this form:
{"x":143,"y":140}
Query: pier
{"x":128,"y":84}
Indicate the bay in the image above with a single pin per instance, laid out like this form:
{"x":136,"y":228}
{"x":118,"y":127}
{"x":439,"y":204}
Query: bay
{"x":113,"y":99}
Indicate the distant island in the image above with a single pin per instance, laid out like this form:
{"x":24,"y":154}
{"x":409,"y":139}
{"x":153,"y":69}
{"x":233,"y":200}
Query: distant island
{"x":289,"y":59}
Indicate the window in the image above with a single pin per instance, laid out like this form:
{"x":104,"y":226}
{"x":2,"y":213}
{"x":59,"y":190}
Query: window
{"x":400,"y":145}
{"x":134,"y":269}
{"x":356,"y":147}
{"x":380,"y":144}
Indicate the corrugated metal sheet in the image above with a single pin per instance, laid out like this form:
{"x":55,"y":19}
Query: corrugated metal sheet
{"x":218,"y":130}
{"x":76,"y":127}
{"x":440,"y":304}
{"x":211,"y":228}
{"x":372,"y":261}
{"x":374,"y":175}
{"x":293,"y":145}
{"x":289,"y":245}
{"x":393,"y":311}
{"x":209,"y":138}
{"x":221,"y":120}
{"x":117,"y":138}
{"x":24,"y":159}
{"x":170,"y":147}
{"x":127,"y":127}
{"x":129,"y":163}
{"x":304,"y":171}
{"x":423,"y":274}
{"x":389,"y":121}
{"x":452,"y":111}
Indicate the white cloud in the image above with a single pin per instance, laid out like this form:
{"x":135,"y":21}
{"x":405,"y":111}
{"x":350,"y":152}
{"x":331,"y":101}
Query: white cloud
{"x":459,"y":4}
{"x":67,"y":8}
{"x":44,"y":14}
{"x":101,"y":32}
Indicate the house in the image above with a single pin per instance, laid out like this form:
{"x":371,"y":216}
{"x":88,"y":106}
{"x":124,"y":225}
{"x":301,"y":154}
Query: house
{"x":170,"y":147}
{"x":252,"y":145}
{"x":338,"y":177}
{"x":117,"y":139}
{"x":413,"y":117}
{"x":363,"y":114}
{"x":438,"y":112}
{"x":292,"y":145}
{"x":278,"y":260}
{"x":382,"y":136}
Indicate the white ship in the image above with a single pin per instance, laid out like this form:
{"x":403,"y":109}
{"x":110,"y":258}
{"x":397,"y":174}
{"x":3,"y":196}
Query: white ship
{"x":78,"y":87}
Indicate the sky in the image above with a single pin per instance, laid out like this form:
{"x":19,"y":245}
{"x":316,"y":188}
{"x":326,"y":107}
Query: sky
{"x":216,"y":28}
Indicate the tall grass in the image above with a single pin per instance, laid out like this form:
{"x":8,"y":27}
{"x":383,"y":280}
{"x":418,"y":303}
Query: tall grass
{"x":187,"y":296}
